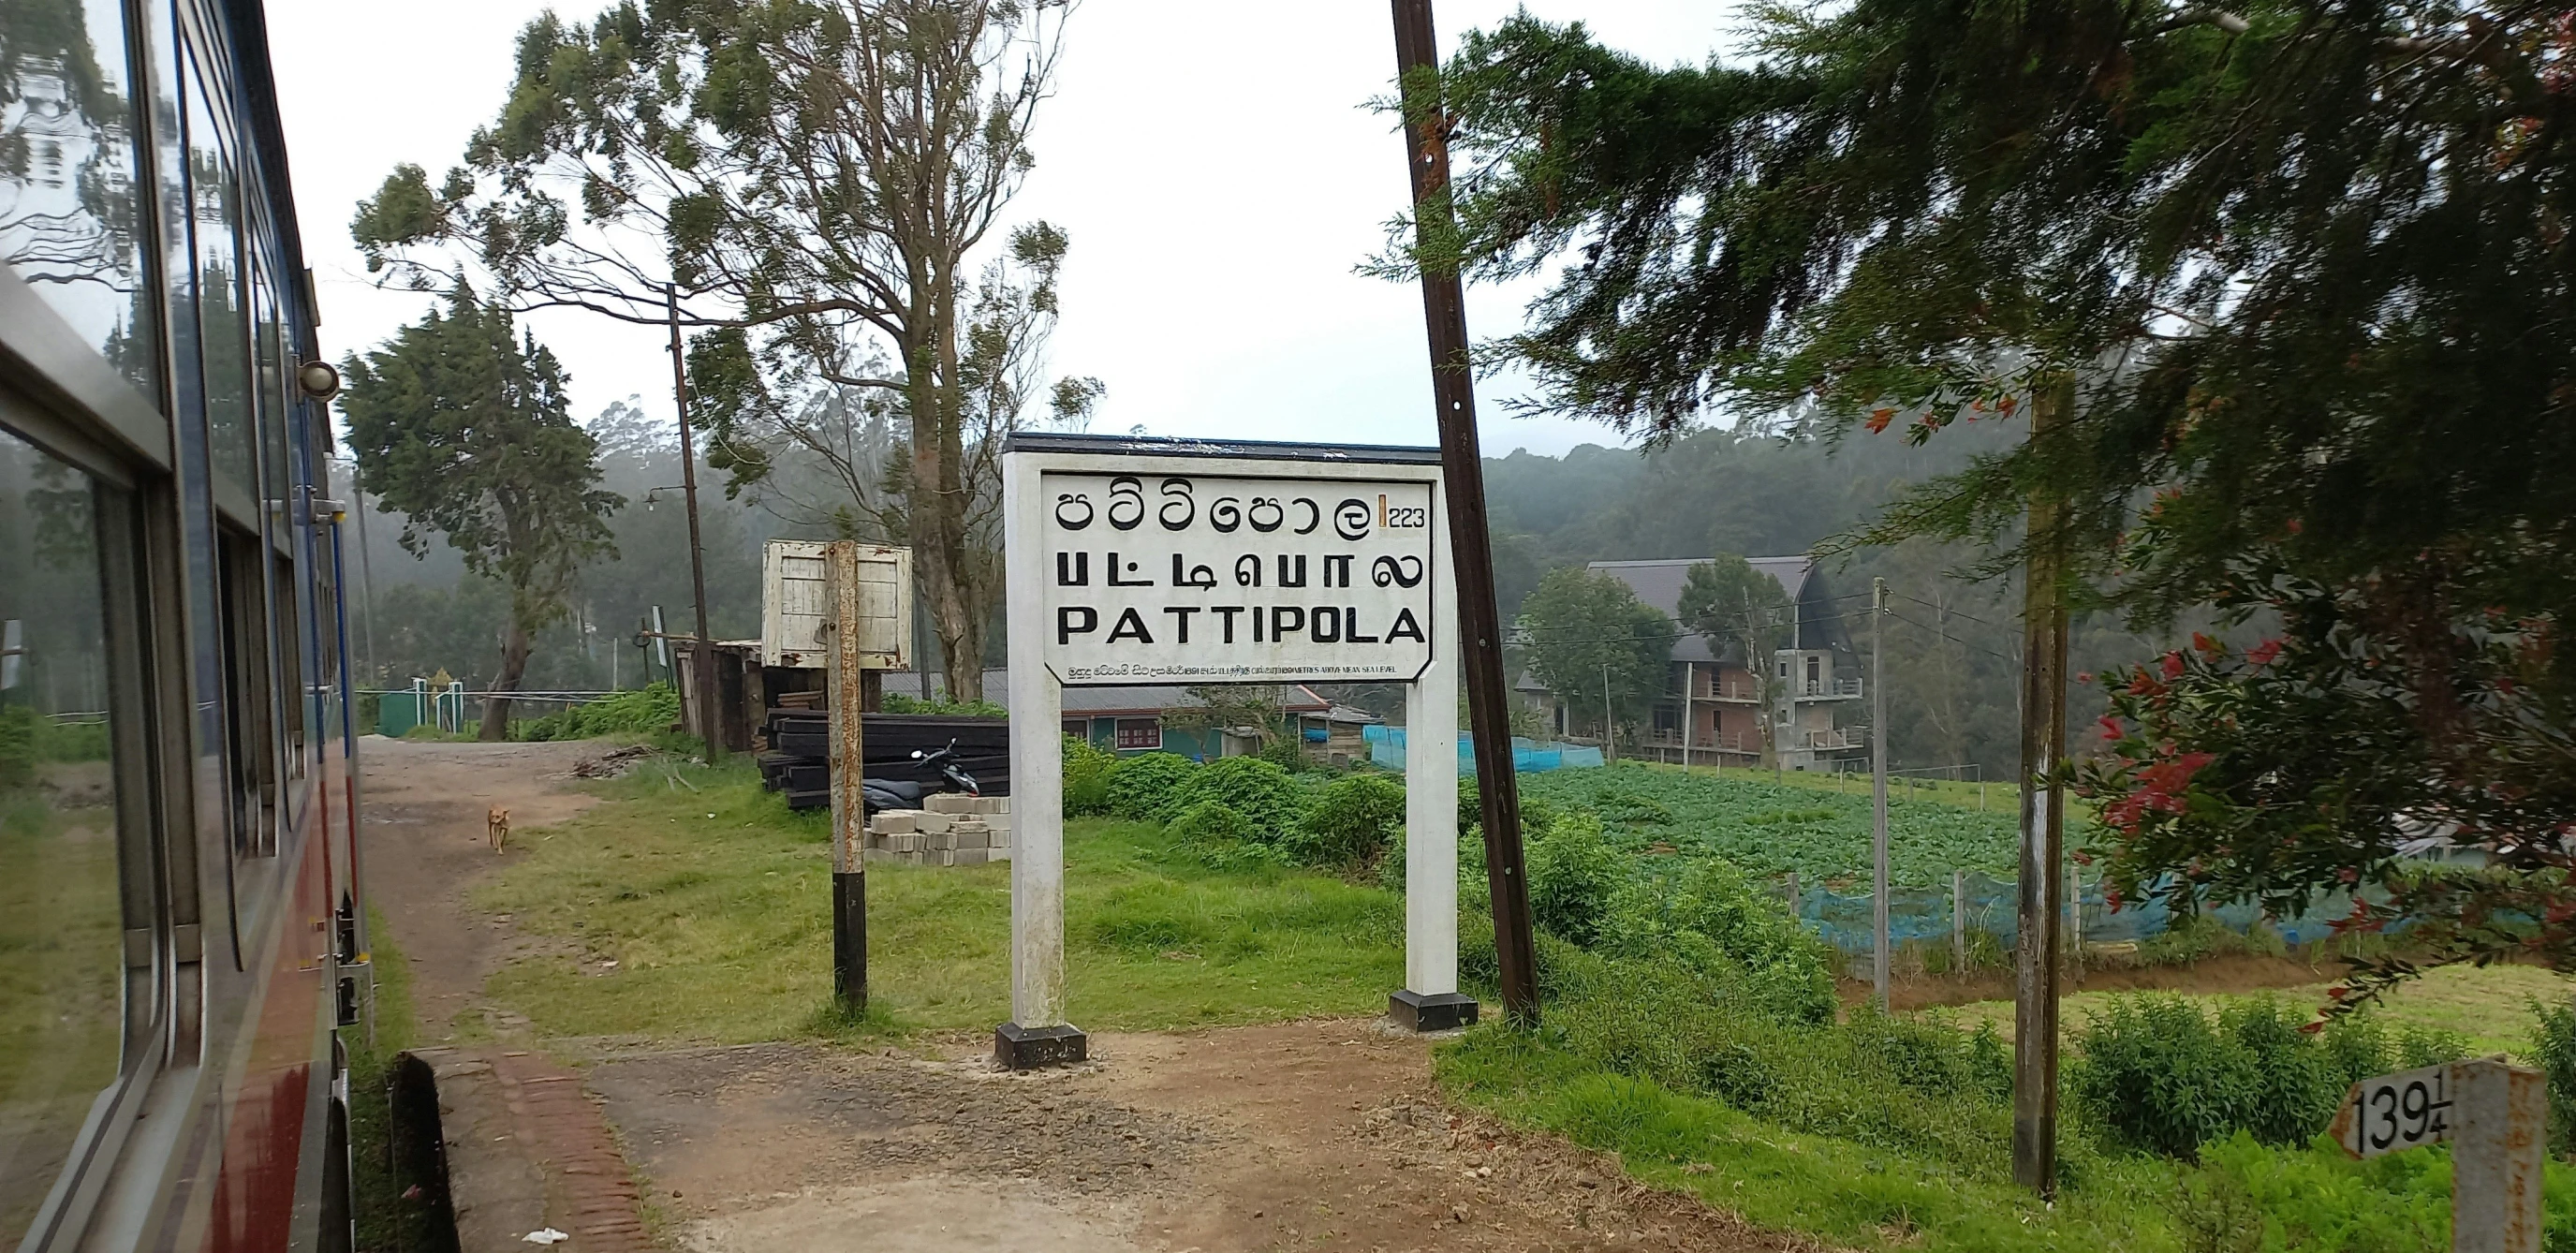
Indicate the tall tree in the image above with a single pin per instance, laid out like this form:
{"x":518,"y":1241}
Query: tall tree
{"x":821,"y":176}
{"x":1737,"y":606}
{"x":2299,"y":275}
{"x":462,"y":426}
{"x":1597,"y":647}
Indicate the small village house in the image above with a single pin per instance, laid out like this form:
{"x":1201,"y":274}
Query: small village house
{"x":1714,"y":709}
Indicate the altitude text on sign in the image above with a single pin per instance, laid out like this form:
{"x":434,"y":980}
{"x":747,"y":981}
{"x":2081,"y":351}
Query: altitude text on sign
{"x":1212,"y":579}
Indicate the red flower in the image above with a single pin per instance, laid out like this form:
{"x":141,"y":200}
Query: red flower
{"x":2144,"y":684}
{"x":2206,"y":646}
{"x":2083,"y":676}
{"x":2312,"y":1028}
{"x":2173,"y":666}
{"x":2348,"y":875}
{"x":2294,"y":526}
{"x":2111,"y":729}
{"x":1878,"y":420}
{"x":2338,"y":992}
{"x":2263,"y":653}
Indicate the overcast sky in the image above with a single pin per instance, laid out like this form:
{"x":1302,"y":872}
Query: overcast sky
{"x":1214,"y":163}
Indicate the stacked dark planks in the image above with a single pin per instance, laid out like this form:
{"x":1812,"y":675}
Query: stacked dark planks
{"x":797,"y":761}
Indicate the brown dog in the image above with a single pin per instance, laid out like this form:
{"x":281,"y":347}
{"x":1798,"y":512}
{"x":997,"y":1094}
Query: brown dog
{"x":497,"y":825}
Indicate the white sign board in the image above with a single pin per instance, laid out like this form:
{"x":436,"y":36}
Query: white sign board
{"x":1199,"y":562}
{"x":794,"y":605}
{"x":2396,"y":1112}
{"x":1181,"y":577}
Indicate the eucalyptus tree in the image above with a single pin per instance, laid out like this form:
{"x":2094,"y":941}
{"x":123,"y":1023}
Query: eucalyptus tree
{"x":2296,"y":277}
{"x":462,"y":427}
{"x":821,"y":178}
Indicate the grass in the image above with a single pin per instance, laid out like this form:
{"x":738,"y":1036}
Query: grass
{"x":385,"y":1220}
{"x":713,"y":905}
{"x":2491,"y":1006}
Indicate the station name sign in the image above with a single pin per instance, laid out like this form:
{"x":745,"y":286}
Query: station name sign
{"x":1193,"y":579}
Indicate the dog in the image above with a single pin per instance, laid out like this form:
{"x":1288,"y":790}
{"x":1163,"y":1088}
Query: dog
{"x":497,"y":826}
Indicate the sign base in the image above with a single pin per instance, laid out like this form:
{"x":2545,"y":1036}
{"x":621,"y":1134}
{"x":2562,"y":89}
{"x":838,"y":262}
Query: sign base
{"x":1433,"y":1011}
{"x":1034,"y":1048}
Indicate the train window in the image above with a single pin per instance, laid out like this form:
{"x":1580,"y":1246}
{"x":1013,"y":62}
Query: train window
{"x":62,"y":950}
{"x":248,"y":706}
{"x":223,"y":316}
{"x":69,"y":193}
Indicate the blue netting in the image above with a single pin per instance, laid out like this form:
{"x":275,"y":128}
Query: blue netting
{"x":1386,"y":749}
{"x":1924,"y":915}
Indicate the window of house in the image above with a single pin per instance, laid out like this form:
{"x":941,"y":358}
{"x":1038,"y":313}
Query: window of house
{"x":1815,"y":669}
{"x":62,"y":909}
{"x":1784,"y":669}
{"x":1667,"y":718}
{"x":1140,"y":733}
{"x":1078,"y":728}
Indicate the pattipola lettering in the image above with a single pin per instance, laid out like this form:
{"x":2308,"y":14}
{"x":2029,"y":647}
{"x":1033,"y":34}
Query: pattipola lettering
{"x":1178,"y":573}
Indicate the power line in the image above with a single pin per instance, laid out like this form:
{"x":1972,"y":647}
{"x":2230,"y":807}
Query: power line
{"x":1953,"y":612}
{"x":1947,"y":636}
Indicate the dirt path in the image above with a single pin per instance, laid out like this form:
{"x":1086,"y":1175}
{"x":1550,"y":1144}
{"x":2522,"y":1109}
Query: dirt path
{"x":1322,"y":1134}
{"x":425,"y":806}
{"x":1305,"y":1135}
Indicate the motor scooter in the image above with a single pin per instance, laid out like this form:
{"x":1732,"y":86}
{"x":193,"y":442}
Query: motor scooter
{"x":880,"y":794}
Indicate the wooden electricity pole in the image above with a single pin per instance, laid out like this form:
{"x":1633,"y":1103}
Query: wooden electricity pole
{"x":846,"y":684}
{"x":2037,"y":976}
{"x":710,"y":719}
{"x":1426,"y":133}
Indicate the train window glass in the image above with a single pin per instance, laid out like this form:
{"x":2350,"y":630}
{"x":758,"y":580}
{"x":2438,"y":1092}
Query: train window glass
{"x":70,"y":207}
{"x":253,"y":800}
{"x":223,"y":322}
{"x":61,"y":916}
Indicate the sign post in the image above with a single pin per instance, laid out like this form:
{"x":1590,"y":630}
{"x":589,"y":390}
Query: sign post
{"x":1150,"y":561}
{"x":2492,"y":1113}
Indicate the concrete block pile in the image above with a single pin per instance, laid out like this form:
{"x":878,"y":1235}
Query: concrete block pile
{"x":949,"y":830}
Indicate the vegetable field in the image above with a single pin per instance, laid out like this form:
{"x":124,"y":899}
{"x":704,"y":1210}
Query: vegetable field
{"x":1772,"y":829}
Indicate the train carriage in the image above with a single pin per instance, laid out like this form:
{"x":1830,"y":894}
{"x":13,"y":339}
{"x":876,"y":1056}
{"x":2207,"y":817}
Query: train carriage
{"x":181,"y":935}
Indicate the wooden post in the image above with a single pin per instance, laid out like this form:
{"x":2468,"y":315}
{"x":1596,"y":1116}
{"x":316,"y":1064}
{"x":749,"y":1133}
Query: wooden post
{"x":1417,"y":55}
{"x":846,"y":687}
{"x":1959,"y":922}
{"x":2036,"y":967}
{"x":1879,"y":957}
{"x":702,"y":653}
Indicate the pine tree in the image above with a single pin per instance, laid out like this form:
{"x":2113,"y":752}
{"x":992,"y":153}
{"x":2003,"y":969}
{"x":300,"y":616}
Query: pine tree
{"x":2299,"y":276}
{"x":462,"y":426}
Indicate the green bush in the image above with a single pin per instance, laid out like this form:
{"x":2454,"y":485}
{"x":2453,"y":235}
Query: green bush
{"x":1354,"y":822}
{"x":1086,"y":777}
{"x":2160,"y":1075}
{"x":1146,"y":786}
{"x":1221,"y":838}
{"x":1257,"y":789}
{"x":644,"y":710}
{"x":17,"y":746}
{"x":898,"y":703}
{"x":1710,"y":914}
{"x":1573,"y":870}
{"x":1285,"y":751}
{"x":2553,"y":1043}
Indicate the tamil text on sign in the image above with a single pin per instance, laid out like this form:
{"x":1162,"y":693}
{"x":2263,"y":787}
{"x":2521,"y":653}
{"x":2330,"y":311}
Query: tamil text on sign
{"x":1195,"y":579}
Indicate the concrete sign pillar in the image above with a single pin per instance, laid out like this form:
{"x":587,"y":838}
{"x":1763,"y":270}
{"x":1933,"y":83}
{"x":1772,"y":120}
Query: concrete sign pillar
{"x":1194,"y":562}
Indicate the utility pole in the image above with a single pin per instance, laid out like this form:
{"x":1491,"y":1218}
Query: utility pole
{"x":1453,"y":389}
{"x":2036,"y":975}
{"x":1609,"y":732}
{"x":1878,"y":791}
{"x":846,"y":680}
{"x":710,"y":719}
{"x":366,"y":576}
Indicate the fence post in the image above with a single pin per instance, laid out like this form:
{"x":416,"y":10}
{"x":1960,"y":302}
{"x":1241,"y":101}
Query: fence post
{"x":1959,"y":922}
{"x":2075,"y":915}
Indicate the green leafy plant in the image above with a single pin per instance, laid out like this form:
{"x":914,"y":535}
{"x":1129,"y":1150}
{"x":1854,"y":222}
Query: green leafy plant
{"x":2162,"y":1076}
{"x":1354,"y":822}
{"x":1220,"y":837}
{"x":1086,"y":777}
{"x":17,"y":746}
{"x":1573,"y":870}
{"x":898,"y":703}
{"x":649,"y":709}
{"x":1146,"y":786}
{"x":2553,"y":1044}
{"x":1257,"y":789}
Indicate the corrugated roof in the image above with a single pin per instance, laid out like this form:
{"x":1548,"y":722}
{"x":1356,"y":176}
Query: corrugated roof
{"x":1659,"y":583}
